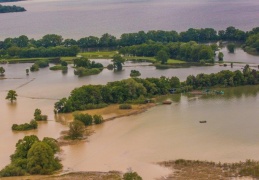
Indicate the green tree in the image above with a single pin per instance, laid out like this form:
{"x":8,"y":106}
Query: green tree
{"x":51,"y":40}
{"x":231,"y":47}
{"x":76,"y":129}
{"x":2,"y":71}
{"x":162,"y":56}
{"x":27,"y":71}
{"x":117,"y":62}
{"x":11,"y":95}
{"x":220,"y":56}
{"x":41,"y":159}
{"x":87,"y":119}
{"x":131,"y":176}
{"x":98,"y":119}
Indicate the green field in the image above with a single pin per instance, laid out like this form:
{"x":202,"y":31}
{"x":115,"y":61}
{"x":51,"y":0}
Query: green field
{"x":152,"y":59}
{"x":98,"y":54}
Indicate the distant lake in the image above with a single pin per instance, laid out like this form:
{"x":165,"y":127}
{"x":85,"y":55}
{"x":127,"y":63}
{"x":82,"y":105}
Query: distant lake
{"x":80,"y":18}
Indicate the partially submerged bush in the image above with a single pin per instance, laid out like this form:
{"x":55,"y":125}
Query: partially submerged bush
{"x":26,"y":126}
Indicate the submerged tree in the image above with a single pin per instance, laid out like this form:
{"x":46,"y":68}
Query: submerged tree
{"x":11,"y":95}
{"x":117,"y":62}
{"x":220,"y":56}
{"x":231,"y":47}
{"x":76,"y":129}
{"x":2,"y":71}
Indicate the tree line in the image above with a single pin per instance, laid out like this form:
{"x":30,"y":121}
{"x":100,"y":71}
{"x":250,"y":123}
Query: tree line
{"x":137,"y":89}
{"x":187,"y":51}
{"x":52,"y":45}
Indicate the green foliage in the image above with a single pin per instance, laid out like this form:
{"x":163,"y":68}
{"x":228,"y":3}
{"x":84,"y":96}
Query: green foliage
{"x":135,"y":73}
{"x":38,"y":116}
{"x":131,"y":176}
{"x":11,"y":95}
{"x":41,"y":160}
{"x":87,"y":119}
{"x":34,"y":67}
{"x":8,"y":9}
{"x":76,"y":129}
{"x":110,"y":67}
{"x":27,"y":71}
{"x":85,"y":67}
{"x":190,"y":51}
{"x":81,"y":71}
{"x":118,"y":61}
{"x":231,"y":47}
{"x":220,"y":56}
{"x":162,"y":56}
{"x":252,"y":43}
{"x":2,"y":71}
{"x":33,"y":156}
{"x":57,"y":67}
{"x":53,"y":143}
{"x":63,"y":63}
{"x":25,"y":127}
{"x":98,"y":119}
{"x":42,"y":63}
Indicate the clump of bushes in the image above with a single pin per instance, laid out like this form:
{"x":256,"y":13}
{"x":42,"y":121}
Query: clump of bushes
{"x":33,"y":156}
{"x":125,"y":106}
{"x":81,"y":71}
{"x":26,"y":126}
{"x":39,"y":64}
{"x":135,"y":73}
{"x":58,"y":67}
{"x":110,"y":67}
{"x":88,"y":119}
{"x":38,"y":116}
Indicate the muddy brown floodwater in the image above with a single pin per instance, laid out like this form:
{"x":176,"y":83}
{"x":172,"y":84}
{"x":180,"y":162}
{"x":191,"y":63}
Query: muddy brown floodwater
{"x":139,"y":141}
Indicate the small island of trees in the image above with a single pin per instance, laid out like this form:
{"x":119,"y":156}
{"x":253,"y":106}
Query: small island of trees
{"x":9,"y":9}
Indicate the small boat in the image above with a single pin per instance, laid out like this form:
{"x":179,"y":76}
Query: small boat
{"x":167,"y":102}
{"x":203,"y":121}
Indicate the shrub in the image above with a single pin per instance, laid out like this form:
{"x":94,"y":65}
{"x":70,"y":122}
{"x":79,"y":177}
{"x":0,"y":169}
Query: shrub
{"x":76,"y":129}
{"x":87,"y":119}
{"x":34,"y":67}
{"x":26,"y":126}
{"x":131,"y":176}
{"x":135,"y":73}
{"x":125,"y":106}
{"x":42,"y":63}
{"x":110,"y":67}
{"x":98,"y":119}
{"x":55,"y":68}
{"x":38,"y":116}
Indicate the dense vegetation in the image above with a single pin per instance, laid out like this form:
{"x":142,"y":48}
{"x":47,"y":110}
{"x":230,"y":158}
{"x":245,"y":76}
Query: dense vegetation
{"x":8,"y":9}
{"x":33,"y":156}
{"x":85,"y":67}
{"x":137,"y":89}
{"x":26,"y":126}
{"x":38,"y":116}
{"x":52,"y":45}
{"x":190,"y":51}
{"x":88,"y":119}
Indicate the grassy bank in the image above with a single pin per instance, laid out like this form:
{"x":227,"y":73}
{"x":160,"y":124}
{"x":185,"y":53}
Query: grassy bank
{"x":32,"y":60}
{"x":98,"y":54}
